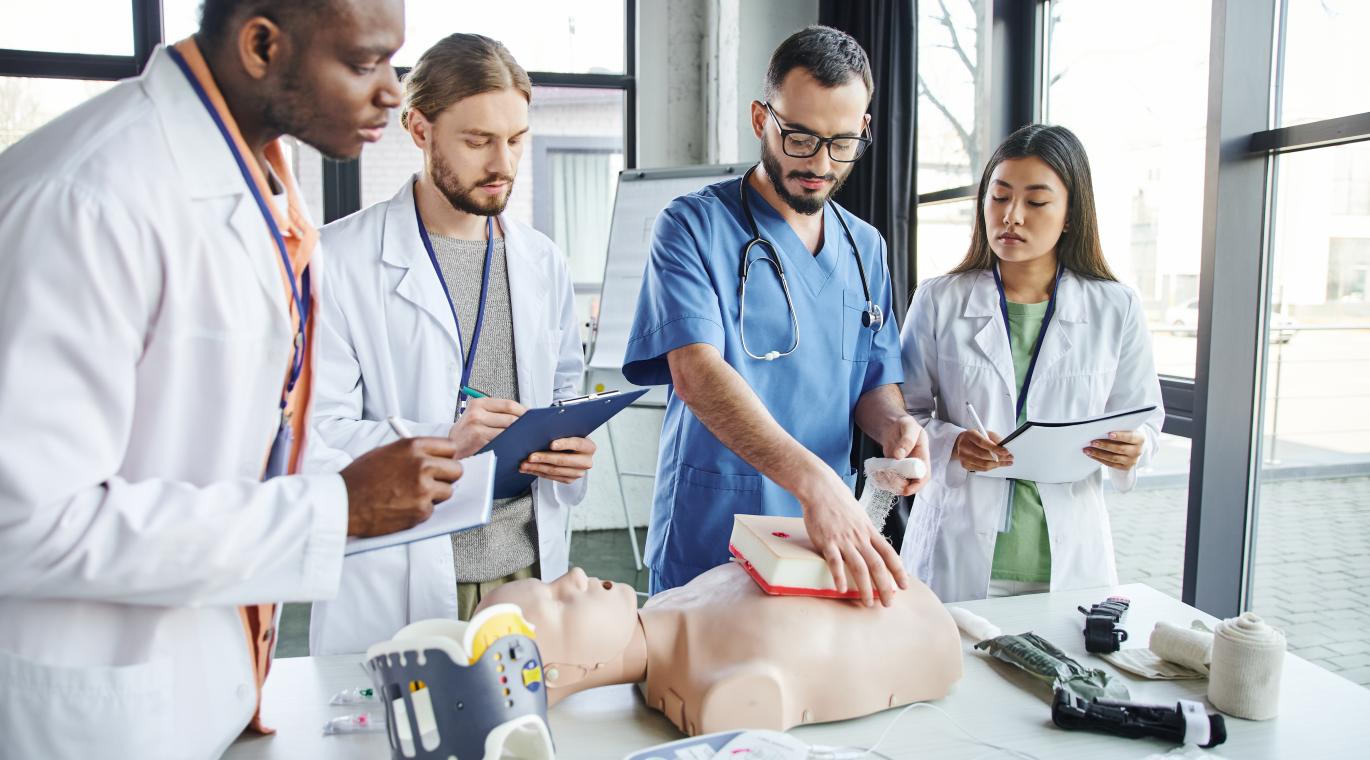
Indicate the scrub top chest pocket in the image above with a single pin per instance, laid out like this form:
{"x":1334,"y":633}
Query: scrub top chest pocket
{"x":856,"y":337}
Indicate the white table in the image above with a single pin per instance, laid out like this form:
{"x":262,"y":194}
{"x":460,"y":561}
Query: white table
{"x":1321,"y":714}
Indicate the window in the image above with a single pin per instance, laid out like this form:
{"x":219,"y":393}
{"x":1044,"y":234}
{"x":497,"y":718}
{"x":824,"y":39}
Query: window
{"x":26,"y":104}
{"x":94,"y":27}
{"x":1138,"y":102}
{"x":543,"y":35}
{"x":953,"y":92}
{"x":1312,"y":550}
{"x":943,"y":235}
{"x":1325,"y":56}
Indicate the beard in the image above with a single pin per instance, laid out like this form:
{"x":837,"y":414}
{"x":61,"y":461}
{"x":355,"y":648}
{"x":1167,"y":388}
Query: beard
{"x":464,"y":197}
{"x":804,"y":204}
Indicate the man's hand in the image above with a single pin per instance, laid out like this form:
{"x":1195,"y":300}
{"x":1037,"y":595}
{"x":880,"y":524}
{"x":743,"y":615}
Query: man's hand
{"x":848,"y":541}
{"x":979,"y":454}
{"x":566,"y":461}
{"x":1120,"y":451}
{"x":394,"y":487}
{"x":483,"y":419}
{"x":906,"y":438}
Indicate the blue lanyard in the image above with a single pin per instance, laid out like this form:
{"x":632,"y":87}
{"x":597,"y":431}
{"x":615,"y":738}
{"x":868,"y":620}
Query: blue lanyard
{"x":1041,"y":334}
{"x":299,"y":292}
{"x":470,"y":361}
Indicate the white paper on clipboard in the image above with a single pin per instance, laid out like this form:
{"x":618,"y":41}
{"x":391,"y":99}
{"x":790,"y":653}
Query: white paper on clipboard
{"x":468,"y":507}
{"x":1053,"y":452}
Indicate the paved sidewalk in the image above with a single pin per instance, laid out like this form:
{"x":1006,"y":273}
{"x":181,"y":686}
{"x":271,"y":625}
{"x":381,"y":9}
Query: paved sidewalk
{"x":1312,"y":561}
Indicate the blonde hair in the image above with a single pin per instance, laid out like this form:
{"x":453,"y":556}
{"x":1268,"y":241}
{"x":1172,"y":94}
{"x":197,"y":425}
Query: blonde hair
{"x":457,"y":67}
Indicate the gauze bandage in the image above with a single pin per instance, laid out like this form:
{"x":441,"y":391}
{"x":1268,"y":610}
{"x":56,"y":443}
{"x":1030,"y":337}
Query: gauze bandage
{"x":1248,"y":657}
{"x":1174,"y":653}
{"x":885,"y":480}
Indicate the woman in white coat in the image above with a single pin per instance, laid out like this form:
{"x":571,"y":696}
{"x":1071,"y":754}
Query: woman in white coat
{"x":401,"y":334}
{"x":1032,"y":324}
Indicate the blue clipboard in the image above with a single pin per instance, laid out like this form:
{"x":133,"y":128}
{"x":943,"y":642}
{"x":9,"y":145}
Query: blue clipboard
{"x":537,"y":428}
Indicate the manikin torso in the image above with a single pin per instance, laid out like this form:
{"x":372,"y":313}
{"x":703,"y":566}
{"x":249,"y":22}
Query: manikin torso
{"x":719,"y":654}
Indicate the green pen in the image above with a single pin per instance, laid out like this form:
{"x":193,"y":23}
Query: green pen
{"x":473,"y":393}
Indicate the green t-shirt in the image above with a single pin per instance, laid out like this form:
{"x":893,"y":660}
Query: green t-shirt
{"x":1024,"y":552}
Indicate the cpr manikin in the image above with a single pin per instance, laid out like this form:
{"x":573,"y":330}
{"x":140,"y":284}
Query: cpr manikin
{"x":718,"y":654}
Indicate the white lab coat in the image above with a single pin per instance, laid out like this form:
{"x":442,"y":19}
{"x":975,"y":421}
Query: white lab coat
{"x":144,"y":338}
{"x":388,"y":347}
{"x":1095,"y":358}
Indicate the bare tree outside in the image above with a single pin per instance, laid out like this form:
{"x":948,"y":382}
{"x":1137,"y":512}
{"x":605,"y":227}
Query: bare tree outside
{"x":954,"y":63}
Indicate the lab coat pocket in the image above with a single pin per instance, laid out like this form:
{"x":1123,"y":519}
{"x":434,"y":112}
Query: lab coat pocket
{"x":856,"y":337}
{"x":59,"y":711}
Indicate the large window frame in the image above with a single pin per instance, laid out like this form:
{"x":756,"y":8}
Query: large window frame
{"x":341,"y":179}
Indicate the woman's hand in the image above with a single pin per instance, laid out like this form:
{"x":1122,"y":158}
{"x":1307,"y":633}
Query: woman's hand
{"x":1120,"y":450}
{"x":979,"y":454}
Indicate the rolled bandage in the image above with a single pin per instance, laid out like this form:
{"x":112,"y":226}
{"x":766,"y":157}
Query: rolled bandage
{"x":974,"y":626}
{"x":885,"y":480}
{"x":1190,"y":647}
{"x":1244,"y":678}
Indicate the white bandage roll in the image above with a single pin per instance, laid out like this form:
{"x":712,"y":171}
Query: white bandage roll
{"x":974,"y":626}
{"x":1244,"y":678}
{"x":1189,"y":647}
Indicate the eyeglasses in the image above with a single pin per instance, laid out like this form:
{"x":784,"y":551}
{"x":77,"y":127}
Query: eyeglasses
{"x":800,"y":144}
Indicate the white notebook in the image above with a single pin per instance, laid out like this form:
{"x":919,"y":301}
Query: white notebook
{"x":1053,"y":452}
{"x":468,"y":507}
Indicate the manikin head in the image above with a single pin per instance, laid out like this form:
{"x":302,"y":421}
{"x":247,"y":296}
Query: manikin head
{"x":583,"y":627}
{"x":818,"y":85}
{"x":466,"y":108}
{"x":318,"y":70}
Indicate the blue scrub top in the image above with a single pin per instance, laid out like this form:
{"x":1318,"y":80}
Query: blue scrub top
{"x":689,"y":295}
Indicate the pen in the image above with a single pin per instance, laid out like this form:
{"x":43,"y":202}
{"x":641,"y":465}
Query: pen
{"x":473,"y":393}
{"x":399,"y":427}
{"x":980,"y":426}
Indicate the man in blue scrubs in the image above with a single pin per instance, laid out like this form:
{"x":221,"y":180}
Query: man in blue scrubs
{"x":759,"y":421}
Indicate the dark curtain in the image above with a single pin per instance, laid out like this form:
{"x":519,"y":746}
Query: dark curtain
{"x":881,"y":186}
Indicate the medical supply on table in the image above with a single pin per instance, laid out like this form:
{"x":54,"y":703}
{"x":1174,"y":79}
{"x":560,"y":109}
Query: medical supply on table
{"x":1045,"y":662}
{"x":777,"y":553}
{"x":536,"y":429}
{"x":885,"y":480}
{"x":355,"y":696}
{"x":871,"y":318}
{"x":1248,"y":657}
{"x":355,"y":723}
{"x":1053,"y":452}
{"x":1173,"y":653}
{"x":467,"y":689}
{"x":974,"y":626}
{"x":469,"y":506}
{"x":1185,"y":723}
{"x":1102,"y":633}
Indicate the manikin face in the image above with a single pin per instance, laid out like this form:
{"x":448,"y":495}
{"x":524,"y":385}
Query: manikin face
{"x":1025,"y":209}
{"x":335,"y":93}
{"x":579,"y":621}
{"x":802,"y":102}
{"x":472,"y":149}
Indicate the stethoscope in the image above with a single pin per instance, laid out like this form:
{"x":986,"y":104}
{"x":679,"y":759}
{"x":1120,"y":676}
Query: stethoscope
{"x":872,"y":317}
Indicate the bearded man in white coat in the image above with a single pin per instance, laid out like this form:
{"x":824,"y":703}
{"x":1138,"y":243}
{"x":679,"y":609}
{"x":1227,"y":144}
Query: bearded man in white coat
{"x":158,"y":287}
{"x":450,"y":315}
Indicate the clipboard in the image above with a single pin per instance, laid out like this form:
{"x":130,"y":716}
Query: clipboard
{"x":1051,"y":452}
{"x":537,"y":428}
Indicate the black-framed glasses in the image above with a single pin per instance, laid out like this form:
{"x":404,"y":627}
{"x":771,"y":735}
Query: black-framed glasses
{"x":800,"y":144}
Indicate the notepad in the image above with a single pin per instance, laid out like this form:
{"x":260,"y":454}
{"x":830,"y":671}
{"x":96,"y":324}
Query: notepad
{"x":1053,"y":452}
{"x":467,"y":507}
{"x":777,"y":553}
{"x":537,"y":428}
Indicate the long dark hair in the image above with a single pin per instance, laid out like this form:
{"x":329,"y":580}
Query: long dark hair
{"x":1078,"y":249}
